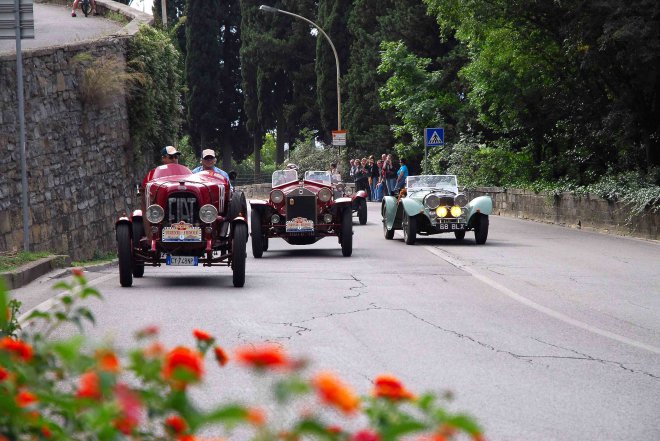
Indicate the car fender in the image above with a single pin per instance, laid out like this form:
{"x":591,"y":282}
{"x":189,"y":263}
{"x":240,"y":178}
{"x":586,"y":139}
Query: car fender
{"x":137,"y":213}
{"x":412,"y":207}
{"x":258,"y":205}
{"x":126,"y":221}
{"x":388,"y":210}
{"x":342,"y":201}
{"x":481,"y":204}
{"x":237,"y":220}
{"x":361,"y":194}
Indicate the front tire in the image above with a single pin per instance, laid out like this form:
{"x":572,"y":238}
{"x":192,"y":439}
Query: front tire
{"x":125,"y":255}
{"x":239,"y":254}
{"x":362,"y":212}
{"x":257,"y":234}
{"x":409,"y":226}
{"x":138,"y":233}
{"x":265,"y":243}
{"x":481,"y":229}
{"x":389,"y":234}
{"x":460,"y":235}
{"x":347,"y":232}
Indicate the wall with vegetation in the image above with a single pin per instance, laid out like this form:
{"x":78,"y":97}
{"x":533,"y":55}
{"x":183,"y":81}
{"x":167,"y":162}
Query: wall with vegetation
{"x":79,"y":152}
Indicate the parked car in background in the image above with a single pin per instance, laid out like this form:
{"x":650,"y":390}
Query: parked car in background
{"x":433,"y":204}
{"x":301,"y":212}
{"x":358,"y":198}
{"x":186,"y":219}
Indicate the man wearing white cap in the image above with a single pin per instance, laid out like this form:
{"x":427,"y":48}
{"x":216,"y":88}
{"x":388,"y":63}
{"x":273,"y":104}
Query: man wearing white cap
{"x":170,"y":155}
{"x":208,"y":164}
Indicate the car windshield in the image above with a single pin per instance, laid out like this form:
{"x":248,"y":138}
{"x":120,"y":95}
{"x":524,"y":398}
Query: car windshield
{"x":324,"y":177}
{"x":439,"y":182}
{"x":284,"y":176}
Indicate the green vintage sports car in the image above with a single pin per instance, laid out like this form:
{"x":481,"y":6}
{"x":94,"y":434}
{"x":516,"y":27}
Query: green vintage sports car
{"x":432,"y":204}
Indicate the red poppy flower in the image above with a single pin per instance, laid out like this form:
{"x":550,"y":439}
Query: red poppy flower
{"x":388,"y":386}
{"x":182,"y":366}
{"x":221,"y":355}
{"x":176,"y":424}
{"x":46,"y":432}
{"x":256,"y":417}
{"x":108,"y":361}
{"x":25,"y":398}
{"x":78,"y":272}
{"x":19,"y":348}
{"x":4,"y":374}
{"x":263,"y":357}
{"x":333,"y":392}
{"x":89,"y":386}
{"x":365,"y":435}
{"x":131,"y":409}
{"x":202,"y":335}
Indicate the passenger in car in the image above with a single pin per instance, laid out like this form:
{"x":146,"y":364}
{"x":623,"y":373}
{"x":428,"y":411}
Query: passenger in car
{"x":208,"y":164}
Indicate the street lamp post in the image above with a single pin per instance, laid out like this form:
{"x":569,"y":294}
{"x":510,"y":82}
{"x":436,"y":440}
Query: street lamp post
{"x":334,"y":51}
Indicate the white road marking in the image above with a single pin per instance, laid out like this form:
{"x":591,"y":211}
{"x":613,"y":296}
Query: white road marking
{"x":540,"y":308}
{"x":48,"y":304}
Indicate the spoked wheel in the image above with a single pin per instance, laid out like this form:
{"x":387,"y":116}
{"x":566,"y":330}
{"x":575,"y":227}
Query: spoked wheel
{"x":460,"y":235}
{"x":257,"y":234}
{"x":347,"y":232}
{"x":362,"y":212}
{"x":125,"y":255}
{"x":409,"y":226}
{"x":138,"y":233}
{"x":239,"y":254}
{"x":481,"y":229}
{"x":86,"y":7}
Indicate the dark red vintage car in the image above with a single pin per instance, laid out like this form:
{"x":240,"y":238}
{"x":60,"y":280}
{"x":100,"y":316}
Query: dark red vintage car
{"x":301,"y":212}
{"x":186,"y":219}
{"x":358,"y":198}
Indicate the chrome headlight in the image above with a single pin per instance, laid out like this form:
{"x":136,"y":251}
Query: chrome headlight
{"x":276,"y":196}
{"x":461,"y":200}
{"x":208,"y":213}
{"x":441,"y":211}
{"x":275,"y":219}
{"x":456,"y":211}
{"x":327,"y":218}
{"x":325,"y":195}
{"x":155,"y":213}
{"x":432,"y":201}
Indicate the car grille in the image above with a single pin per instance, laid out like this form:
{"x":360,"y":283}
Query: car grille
{"x":301,"y":203}
{"x":182,"y":207}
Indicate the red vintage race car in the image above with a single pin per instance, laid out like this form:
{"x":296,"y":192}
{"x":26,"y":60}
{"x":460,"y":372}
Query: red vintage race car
{"x":186,"y":219}
{"x":358,"y":198}
{"x":301,"y":212}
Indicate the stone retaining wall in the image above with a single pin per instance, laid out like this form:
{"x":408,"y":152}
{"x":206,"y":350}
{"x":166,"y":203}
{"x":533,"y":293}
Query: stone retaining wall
{"x":80,"y":173}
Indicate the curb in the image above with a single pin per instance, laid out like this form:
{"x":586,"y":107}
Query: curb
{"x":33,"y":270}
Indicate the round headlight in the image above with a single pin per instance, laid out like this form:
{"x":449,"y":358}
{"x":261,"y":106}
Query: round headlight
{"x":461,"y":200}
{"x":441,"y":211}
{"x":325,"y":195}
{"x":432,"y":201}
{"x":456,"y":211}
{"x":208,"y":213}
{"x":275,"y":219}
{"x":155,"y":213}
{"x":276,"y":196}
{"x":327,"y":218}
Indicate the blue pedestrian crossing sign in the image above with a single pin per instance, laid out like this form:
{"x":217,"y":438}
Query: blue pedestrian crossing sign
{"x":434,"y":137}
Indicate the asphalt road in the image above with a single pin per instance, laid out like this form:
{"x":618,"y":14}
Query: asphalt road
{"x":54,"y":26}
{"x":544,"y":333}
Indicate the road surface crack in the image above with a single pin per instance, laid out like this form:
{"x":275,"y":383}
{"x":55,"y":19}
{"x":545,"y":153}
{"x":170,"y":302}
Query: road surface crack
{"x":587,"y":357}
{"x":358,"y":288}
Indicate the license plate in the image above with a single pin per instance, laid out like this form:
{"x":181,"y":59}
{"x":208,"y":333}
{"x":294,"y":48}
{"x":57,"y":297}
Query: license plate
{"x":182,"y":232}
{"x":181,"y":260}
{"x":300,"y":225}
{"x":451,"y":227}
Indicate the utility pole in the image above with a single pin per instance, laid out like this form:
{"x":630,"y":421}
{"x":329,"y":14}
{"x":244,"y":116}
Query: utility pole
{"x":163,"y":11}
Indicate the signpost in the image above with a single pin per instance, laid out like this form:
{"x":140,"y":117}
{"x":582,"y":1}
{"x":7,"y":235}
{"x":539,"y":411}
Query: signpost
{"x":339,"y":138}
{"x":17,"y":22}
{"x":433,"y":137}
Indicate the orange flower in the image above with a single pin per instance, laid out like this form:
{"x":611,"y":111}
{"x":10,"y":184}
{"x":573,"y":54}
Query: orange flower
{"x":182,"y":366}
{"x":332,"y":391}
{"x":478,"y":437}
{"x":202,"y":335}
{"x":78,"y":272}
{"x":267,"y":356}
{"x":131,"y":409}
{"x":89,"y":386}
{"x":176,"y":424}
{"x":25,"y":398}
{"x":447,"y":430}
{"x":108,"y":361}
{"x":19,"y":348}
{"x":221,"y":355}
{"x":388,"y":386}
{"x":256,"y":417}
{"x":335,"y":429}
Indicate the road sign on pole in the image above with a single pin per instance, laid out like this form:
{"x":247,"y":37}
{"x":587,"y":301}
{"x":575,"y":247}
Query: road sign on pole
{"x":339,"y":137}
{"x":433,"y":137}
{"x":8,"y":19}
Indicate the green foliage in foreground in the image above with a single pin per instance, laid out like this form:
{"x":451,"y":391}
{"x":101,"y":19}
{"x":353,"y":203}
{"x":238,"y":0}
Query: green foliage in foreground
{"x":9,"y":262}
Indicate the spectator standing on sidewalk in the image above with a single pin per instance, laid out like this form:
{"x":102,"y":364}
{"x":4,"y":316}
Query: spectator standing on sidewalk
{"x":380,"y":182}
{"x":75,"y":5}
{"x":375,"y":175}
{"x":401,"y":176}
{"x":389,"y":172}
{"x":362,"y":176}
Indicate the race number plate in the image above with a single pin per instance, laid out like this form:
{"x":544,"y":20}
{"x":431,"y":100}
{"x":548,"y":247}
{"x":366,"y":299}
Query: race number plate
{"x":181,"y":260}
{"x":300,"y":225}
{"x":451,"y":227}
{"x":182,"y":232}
